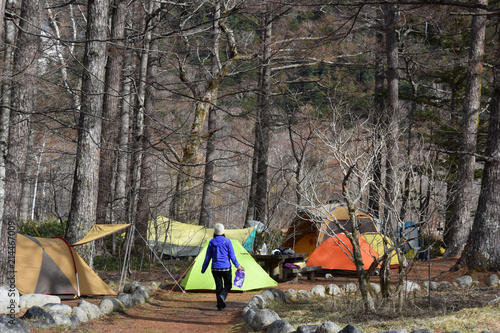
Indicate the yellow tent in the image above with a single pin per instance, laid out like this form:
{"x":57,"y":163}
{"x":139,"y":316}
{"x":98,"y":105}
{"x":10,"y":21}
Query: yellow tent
{"x":52,"y":266}
{"x":376,"y":240}
{"x":182,"y":239}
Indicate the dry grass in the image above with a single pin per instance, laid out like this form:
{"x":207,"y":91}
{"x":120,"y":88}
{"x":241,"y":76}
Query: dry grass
{"x":465,"y":310}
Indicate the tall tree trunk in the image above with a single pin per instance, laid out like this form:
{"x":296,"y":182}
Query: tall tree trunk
{"x":10,"y":33}
{"x":392,"y":119}
{"x":86,"y":178}
{"x":27,"y":50}
{"x":144,"y":207}
{"x":461,"y":222}
{"x":208,"y":179}
{"x":110,"y":109}
{"x":377,"y":116}
{"x":204,"y":99}
{"x":482,"y":251}
{"x":262,"y":127}
{"x":139,"y":116}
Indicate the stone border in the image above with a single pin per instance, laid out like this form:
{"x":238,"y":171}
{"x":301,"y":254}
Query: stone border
{"x":47,"y":311}
{"x":257,"y":318}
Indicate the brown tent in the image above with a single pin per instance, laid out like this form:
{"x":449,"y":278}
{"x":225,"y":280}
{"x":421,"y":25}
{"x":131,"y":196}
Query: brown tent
{"x":52,"y":266}
{"x":313,"y":226}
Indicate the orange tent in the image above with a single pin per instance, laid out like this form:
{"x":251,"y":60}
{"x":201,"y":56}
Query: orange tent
{"x":311,"y":227}
{"x":336,"y":253}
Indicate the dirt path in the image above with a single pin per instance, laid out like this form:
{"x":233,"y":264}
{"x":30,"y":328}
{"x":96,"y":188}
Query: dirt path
{"x":196,"y":312}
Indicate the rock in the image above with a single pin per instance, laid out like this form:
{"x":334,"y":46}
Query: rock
{"x":248,"y":314}
{"x":41,"y":324}
{"x":154,"y":285}
{"x":328,"y":276}
{"x":80,"y":314}
{"x":291,"y":293}
{"x":29,"y":300}
{"x":60,"y":318}
{"x":279,"y":294}
{"x":410,"y":287}
{"x":394,"y":331}
{"x":464,"y":281}
{"x":280,"y":326}
{"x":131,"y":287}
{"x":137,"y":298}
{"x":58,"y":307}
{"x":430,"y":285}
{"x":36,"y":313}
{"x":318,"y":290}
{"x":11,"y":324}
{"x":304,"y":294}
{"x":444,"y":285}
{"x":267,"y":295}
{"x":106,"y":306}
{"x":90,"y":309}
{"x":117,"y":304}
{"x":75,"y":321}
{"x":332,"y":289}
{"x":348,"y":288}
{"x":9,"y":300}
{"x":422,"y":330}
{"x":126,"y":299}
{"x":375,"y":288}
{"x":258,"y":301}
{"x":328,"y":327}
{"x":307,"y":328}
{"x":263,"y":319}
{"x":350,"y":329}
{"x":493,"y":281}
{"x":141,"y":293}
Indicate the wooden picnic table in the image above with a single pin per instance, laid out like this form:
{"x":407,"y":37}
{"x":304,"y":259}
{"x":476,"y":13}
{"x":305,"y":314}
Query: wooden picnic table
{"x":272,"y":262}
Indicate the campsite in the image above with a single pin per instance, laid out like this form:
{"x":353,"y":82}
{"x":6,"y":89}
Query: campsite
{"x":195,"y":312}
{"x":172,"y":310}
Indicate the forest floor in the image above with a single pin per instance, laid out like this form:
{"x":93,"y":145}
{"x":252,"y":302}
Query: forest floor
{"x":174,"y":311}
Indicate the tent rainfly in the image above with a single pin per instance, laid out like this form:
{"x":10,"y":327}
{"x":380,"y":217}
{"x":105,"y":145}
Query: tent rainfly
{"x":52,"y":266}
{"x":255,"y":276}
{"x":182,"y":239}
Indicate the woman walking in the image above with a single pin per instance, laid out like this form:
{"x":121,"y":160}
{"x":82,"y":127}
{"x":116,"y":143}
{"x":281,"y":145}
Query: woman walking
{"x":221,"y":252}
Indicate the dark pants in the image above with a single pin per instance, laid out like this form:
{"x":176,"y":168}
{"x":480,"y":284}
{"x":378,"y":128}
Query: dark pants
{"x":223,"y":285}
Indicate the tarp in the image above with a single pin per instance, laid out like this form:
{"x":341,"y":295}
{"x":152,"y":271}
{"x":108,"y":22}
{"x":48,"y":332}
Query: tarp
{"x":181,"y":239}
{"x":410,"y":236}
{"x":52,"y":266}
{"x":99,"y":231}
{"x":336,"y":253}
{"x":255,"y":276}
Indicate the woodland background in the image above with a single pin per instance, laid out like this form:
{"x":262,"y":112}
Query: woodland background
{"x":230,"y":111}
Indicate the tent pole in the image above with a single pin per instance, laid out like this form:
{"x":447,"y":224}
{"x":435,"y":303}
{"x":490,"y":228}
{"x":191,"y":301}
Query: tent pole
{"x":161,"y":262}
{"x":125,"y":259}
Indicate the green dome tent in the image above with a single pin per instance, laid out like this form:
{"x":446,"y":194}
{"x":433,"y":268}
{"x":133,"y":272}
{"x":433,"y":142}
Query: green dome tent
{"x":255,"y":276}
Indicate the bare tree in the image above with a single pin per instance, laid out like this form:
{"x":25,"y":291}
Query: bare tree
{"x":109,"y":133}
{"x":458,"y":227}
{"x":204,"y":97}
{"x":23,"y":105}
{"x":86,"y":178}
{"x":482,"y":251}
